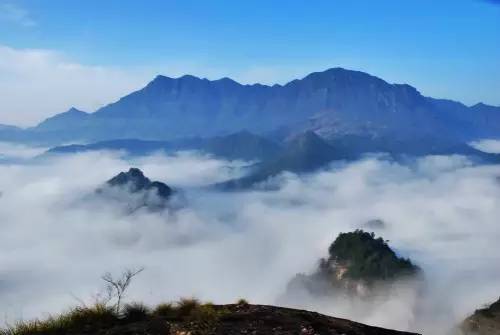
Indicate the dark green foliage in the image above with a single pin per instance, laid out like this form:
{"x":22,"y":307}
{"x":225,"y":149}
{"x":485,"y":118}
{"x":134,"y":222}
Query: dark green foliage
{"x":187,"y":305}
{"x":367,"y":257}
{"x":242,"y":302}
{"x":135,"y":312}
{"x":166,"y":310}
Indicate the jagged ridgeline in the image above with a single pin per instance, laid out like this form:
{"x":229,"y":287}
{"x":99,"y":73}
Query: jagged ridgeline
{"x":134,"y":190}
{"x":357,"y":261}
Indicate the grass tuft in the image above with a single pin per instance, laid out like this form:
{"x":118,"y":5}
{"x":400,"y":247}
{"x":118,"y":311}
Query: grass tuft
{"x":242,"y":302}
{"x":96,"y":316}
{"x":135,"y":311}
{"x":186,"y":306}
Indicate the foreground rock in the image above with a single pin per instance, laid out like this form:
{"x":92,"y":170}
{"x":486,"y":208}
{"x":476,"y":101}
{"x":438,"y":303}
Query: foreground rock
{"x":230,"y":319}
{"x":135,"y":191}
{"x":484,"y":321}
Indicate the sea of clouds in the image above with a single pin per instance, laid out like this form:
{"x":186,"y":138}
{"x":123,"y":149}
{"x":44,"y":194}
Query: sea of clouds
{"x":56,"y":240}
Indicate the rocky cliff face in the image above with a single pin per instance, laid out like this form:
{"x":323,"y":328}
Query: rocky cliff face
{"x":357,"y":262}
{"x":485,"y":321}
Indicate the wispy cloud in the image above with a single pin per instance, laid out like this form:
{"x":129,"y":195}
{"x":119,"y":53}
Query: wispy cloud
{"x":54,"y":83}
{"x":13,"y":13}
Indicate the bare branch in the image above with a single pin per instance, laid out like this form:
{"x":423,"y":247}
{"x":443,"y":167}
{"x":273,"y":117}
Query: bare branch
{"x":116,"y":287}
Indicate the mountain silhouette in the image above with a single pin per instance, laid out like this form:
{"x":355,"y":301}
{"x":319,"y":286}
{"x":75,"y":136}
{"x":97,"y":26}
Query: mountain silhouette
{"x":333,"y":103}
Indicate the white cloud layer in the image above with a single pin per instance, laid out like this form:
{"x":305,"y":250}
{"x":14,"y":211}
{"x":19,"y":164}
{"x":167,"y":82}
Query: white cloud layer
{"x":37,"y":83}
{"x":55,"y":242}
{"x":490,"y":146}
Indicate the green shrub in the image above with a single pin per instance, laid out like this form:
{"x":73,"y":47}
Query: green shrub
{"x":186,"y":305}
{"x":168,"y":311}
{"x":203,"y":313}
{"x":242,"y":302}
{"x":134,"y":312}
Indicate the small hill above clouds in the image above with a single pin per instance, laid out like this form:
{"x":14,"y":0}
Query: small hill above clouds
{"x":304,"y":152}
{"x":358,"y":263}
{"x":135,"y":191}
{"x":484,"y":321}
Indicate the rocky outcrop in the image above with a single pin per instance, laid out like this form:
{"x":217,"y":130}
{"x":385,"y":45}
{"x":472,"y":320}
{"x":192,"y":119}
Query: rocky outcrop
{"x":239,"y":319}
{"x":358,"y":262}
{"x":485,"y":321}
{"x":136,"y":191}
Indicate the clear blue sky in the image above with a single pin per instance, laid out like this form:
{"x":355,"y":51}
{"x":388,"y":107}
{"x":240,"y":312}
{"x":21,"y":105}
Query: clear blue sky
{"x":446,"y":48}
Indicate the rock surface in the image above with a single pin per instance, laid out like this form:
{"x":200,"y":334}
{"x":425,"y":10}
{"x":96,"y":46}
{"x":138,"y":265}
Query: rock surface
{"x":357,"y":263}
{"x":246,"y":319}
{"x":485,"y":321}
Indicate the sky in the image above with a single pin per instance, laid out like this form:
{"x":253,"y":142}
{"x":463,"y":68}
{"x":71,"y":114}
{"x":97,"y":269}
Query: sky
{"x":58,"y":54}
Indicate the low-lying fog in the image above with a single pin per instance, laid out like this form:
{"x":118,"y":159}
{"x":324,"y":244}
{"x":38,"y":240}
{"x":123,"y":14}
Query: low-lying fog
{"x":56,"y":242}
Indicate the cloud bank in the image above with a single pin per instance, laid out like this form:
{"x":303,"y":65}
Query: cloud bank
{"x":56,"y":241}
{"x":37,"y":83}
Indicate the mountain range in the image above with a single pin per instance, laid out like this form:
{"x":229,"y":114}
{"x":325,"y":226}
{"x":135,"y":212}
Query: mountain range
{"x":333,"y":103}
{"x":304,"y":152}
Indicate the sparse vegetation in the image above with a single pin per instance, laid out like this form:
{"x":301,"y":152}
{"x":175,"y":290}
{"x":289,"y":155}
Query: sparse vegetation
{"x":102,"y":316}
{"x":165,"y":310}
{"x":197,"y":319}
{"x":116,"y":287}
{"x":98,"y":315}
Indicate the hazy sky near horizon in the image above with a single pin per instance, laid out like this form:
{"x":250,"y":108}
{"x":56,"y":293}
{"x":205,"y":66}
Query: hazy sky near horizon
{"x":54,"y":55}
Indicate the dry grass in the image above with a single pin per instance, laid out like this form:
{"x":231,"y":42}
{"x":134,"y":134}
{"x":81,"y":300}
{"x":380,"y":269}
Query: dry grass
{"x":101,"y":316}
{"x":98,"y":315}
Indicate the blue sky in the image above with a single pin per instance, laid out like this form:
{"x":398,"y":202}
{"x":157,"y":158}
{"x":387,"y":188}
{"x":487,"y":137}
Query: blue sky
{"x":446,"y":48}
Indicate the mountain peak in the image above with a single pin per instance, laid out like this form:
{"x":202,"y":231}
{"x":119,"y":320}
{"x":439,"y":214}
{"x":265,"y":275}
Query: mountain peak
{"x":133,"y":176}
{"x":306,"y":139}
{"x":134,"y":182}
{"x":74,"y":110}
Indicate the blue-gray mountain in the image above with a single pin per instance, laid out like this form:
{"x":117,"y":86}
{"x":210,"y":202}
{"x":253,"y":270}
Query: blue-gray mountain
{"x":241,"y":145}
{"x":304,"y":152}
{"x":333,"y":103}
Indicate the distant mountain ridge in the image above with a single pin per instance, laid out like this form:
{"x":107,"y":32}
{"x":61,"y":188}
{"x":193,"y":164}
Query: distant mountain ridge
{"x":242,"y":145}
{"x":302,"y":153}
{"x":333,"y":103}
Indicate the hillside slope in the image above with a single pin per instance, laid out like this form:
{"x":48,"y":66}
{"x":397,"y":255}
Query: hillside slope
{"x":225,"y":320}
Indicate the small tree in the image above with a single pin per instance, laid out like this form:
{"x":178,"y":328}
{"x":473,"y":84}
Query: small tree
{"x":116,"y":287}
